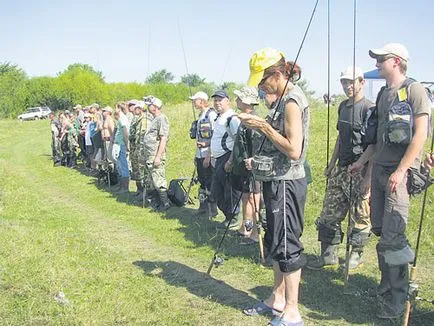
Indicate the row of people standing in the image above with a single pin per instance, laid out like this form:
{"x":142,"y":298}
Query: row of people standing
{"x":132,"y":138}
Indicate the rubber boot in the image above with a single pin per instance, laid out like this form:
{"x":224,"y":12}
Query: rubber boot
{"x":384,"y":286}
{"x":328,"y":258}
{"x":356,"y":259}
{"x":398,"y":279}
{"x":124,"y":186}
{"x":164,"y":201}
{"x":139,"y":191}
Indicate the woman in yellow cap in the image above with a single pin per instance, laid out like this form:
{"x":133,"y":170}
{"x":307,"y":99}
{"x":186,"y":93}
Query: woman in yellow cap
{"x":281,"y":146}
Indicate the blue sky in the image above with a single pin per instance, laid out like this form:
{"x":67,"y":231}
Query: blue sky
{"x":128,"y":39}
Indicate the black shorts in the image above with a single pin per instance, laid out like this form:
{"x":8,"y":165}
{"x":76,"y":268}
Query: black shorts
{"x":284,"y":204}
{"x":244,"y":184}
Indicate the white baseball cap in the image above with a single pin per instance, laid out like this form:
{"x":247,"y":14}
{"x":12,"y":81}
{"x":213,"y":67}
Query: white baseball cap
{"x":157,"y":102}
{"x":395,"y":49}
{"x":348,"y":73}
{"x":201,"y":95}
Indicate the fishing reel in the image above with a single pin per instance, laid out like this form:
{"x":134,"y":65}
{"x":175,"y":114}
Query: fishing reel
{"x":218,"y":261}
{"x":248,"y":225}
{"x":413,"y":290}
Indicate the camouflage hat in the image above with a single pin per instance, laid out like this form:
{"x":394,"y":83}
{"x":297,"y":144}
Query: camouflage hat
{"x":248,"y":95}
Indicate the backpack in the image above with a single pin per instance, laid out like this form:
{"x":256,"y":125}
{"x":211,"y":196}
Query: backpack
{"x":205,"y":128}
{"x":418,"y":180}
{"x":242,"y":150}
{"x":177,"y":193}
{"x":226,"y":134}
{"x":193,"y":130}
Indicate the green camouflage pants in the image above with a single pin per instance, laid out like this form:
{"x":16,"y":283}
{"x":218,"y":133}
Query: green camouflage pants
{"x":337,"y":201}
{"x":156,"y":174}
{"x":138,"y":165}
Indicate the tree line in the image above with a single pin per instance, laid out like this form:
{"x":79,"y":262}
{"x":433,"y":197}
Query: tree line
{"x":82,"y":84}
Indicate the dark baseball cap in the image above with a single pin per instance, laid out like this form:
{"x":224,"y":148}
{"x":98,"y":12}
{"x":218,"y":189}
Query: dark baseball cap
{"x":221,"y":93}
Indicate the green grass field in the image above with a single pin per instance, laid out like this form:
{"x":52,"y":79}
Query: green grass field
{"x":119,"y":264}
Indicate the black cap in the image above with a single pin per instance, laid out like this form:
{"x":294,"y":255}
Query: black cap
{"x":221,"y":93}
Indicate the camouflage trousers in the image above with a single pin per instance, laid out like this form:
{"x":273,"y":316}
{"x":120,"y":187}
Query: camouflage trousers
{"x":337,"y":201}
{"x":156,"y":175}
{"x":138,"y":165}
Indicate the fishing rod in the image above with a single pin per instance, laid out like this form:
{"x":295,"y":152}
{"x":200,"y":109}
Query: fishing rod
{"x":291,"y":71}
{"x":186,"y":69}
{"x":218,"y":261}
{"x":349,"y":226}
{"x":413,"y":287}
{"x":193,"y":177}
{"x":328,"y":89}
{"x":257,"y":215}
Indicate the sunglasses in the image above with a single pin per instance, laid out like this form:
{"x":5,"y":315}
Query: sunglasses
{"x":264,"y":79}
{"x":384,"y":58}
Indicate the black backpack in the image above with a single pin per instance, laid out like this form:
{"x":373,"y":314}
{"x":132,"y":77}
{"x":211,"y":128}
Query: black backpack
{"x":177,"y":193}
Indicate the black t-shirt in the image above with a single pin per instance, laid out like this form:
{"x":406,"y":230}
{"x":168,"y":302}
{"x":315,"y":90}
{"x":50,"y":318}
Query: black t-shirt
{"x":350,"y":138}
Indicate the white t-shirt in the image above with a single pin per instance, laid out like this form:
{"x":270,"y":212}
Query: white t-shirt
{"x":212,"y":116}
{"x":223,"y":136}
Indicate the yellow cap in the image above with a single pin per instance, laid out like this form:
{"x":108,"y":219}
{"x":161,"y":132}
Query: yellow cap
{"x":260,"y":61}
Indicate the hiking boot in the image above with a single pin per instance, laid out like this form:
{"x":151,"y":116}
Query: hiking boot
{"x":328,"y":257}
{"x":152,"y":199}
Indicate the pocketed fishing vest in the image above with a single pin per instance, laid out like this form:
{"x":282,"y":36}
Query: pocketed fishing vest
{"x":399,"y":119}
{"x":204,"y":130}
{"x":271,"y":164}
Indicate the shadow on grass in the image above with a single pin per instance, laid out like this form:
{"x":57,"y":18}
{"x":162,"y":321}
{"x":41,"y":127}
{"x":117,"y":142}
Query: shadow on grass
{"x":198,"y":283}
{"x":204,"y":232}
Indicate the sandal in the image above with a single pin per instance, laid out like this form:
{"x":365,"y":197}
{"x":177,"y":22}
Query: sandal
{"x":279,"y":321}
{"x":275,"y":321}
{"x":260,"y":309}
